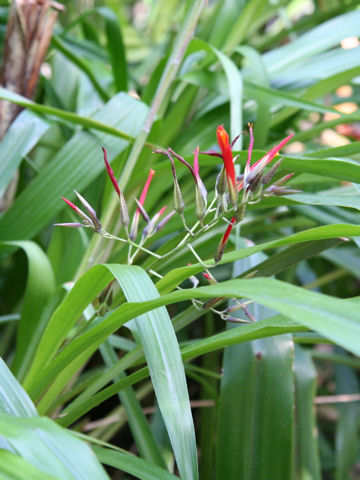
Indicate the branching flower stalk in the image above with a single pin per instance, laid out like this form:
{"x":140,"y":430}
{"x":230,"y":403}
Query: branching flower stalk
{"x":226,"y":206}
{"x":186,"y":32}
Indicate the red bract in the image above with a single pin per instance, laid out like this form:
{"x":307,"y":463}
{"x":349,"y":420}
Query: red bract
{"x":225,"y":147}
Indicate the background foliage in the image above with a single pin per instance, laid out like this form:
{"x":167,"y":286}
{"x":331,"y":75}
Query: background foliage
{"x":274,"y":398}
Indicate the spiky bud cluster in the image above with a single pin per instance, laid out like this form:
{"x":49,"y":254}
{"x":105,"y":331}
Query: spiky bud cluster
{"x":232,"y":193}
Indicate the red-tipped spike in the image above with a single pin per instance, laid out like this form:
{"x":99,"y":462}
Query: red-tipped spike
{"x":74,"y":207}
{"x":78,"y":211}
{"x":251,"y":144}
{"x":110,"y":172}
{"x":146,"y":186}
{"x":272,"y":153}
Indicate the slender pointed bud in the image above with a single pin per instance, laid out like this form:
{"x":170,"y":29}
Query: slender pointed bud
{"x":72,"y":225}
{"x":282,"y":180}
{"x":179,"y":205}
{"x":221,"y":247}
{"x":78,"y":211}
{"x":95,"y":221}
{"x":142,"y":210}
{"x":240,"y":212}
{"x":200,"y":206}
{"x":212,"y":153}
{"x":250,"y":149}
{"x":255,"y":182}
{"x":221,"y":183}
{"x":285,"y":191}
{"x":165,"y":220}
{"x":235,"y":140}
{"x":269,"y":175}
{"x":199,"y":183}
{"x":210,"y":278}
{"x":234,"y":308}
{"x":229,"y":319}
{"x":212,"y":302}
{"x":233,"y":195}
{"x":194,"y":171}
{"x":110,"y":172}
{"x":134,"y":227}
{"x":150,"y":227}
{"x":135,"y":221}
{"x":124,"y":212}
{"x":260,"y":164}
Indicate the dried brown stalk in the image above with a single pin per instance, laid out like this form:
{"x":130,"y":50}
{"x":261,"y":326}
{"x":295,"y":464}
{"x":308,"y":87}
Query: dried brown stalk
{"x":28,"y":35}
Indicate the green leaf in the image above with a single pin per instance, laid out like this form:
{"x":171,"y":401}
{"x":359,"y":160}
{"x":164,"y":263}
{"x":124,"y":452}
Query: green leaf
{"x":234,"y":84}
{"x":336,"y":319}
{"x":21,"y":137}
{"x":13,"y":467}
{"x":244,"y":22}
{"x":138,"y":423}
{"x":327,"y":198}
{"x":307,"y":448}
{"x":163,"y":357}
{"x":248,"y":416}
{"x":273,"y":326}
{"x":160,"y":347}
{"x":39,"y":289}
{"x":13,"y":398}
{"x":67,"y":51}
{"x":133,"y":465}
{"x":178,"y":275}
{"x":87,"y":122}
{"x":50,"y":448}
{"x":259,"y":77}
{"x":347,"y":436}
{"x":116,"y":49}
{"x":291,"y":256}
{"x":324,"y":36}
{"x":77,"y":164}
{"x":257,"y":403}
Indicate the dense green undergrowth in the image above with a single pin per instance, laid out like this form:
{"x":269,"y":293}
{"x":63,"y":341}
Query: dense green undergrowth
{"x":128,"y":350}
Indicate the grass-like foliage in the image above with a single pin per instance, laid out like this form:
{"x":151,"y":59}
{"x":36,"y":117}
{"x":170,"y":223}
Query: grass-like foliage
{"x":179,"y":236}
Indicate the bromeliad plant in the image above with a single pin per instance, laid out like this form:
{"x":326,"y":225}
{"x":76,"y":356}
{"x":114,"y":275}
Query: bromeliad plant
{"x":231,"y":196}
{"x":105,"y":323}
